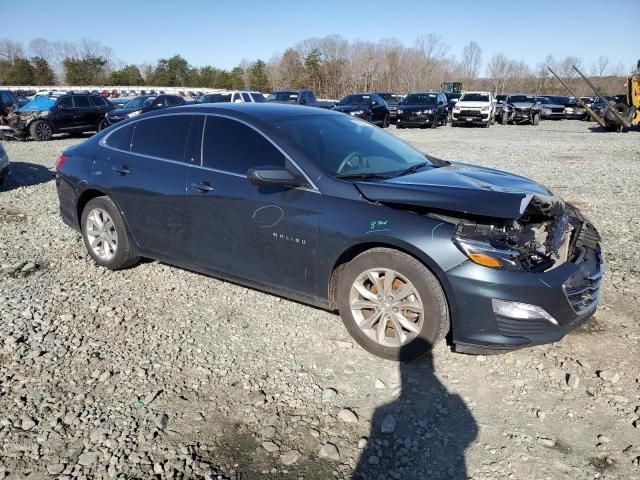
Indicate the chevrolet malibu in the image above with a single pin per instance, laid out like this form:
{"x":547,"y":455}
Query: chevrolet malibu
{"x":327,"y":209}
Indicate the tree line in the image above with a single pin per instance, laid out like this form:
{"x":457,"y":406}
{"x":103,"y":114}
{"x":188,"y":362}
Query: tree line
{"x":332,"y":66}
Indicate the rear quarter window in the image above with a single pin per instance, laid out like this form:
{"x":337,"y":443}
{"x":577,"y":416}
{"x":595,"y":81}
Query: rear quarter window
{"x":121,"y":138}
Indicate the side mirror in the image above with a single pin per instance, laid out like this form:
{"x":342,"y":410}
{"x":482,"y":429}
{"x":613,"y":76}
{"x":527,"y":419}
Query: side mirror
{"x":374,"y":103}
{"x":273,"y":176}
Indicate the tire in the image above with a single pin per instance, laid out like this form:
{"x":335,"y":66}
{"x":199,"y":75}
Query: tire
{"x":535,"y":120}
{"x":102,"y":124}
{"x":123,"y":255}
{"x":435,"y":123}
{"x":486,"y":125}
{"x":453,"y":124}
{"x":425,"y":290}
{"x":504,"y":119}
{"x":385,"y":121}
{"x":41,"y":130}
{"x":493,"y":120}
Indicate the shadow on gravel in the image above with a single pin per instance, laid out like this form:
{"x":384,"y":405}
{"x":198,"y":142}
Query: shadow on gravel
{"x":26,"y":174}
{"x":422,"y":434}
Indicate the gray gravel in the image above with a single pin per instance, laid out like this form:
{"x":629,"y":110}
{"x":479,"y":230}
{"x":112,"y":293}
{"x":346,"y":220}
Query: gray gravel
{"x":157,"y":372}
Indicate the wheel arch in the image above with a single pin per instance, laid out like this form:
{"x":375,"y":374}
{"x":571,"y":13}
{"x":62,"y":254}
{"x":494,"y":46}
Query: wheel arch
{"x":354,"y":250}
{"x":84,"y":198}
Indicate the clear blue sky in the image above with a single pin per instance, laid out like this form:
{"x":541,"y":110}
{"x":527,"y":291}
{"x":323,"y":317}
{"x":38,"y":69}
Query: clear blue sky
{"x":223,"y":32}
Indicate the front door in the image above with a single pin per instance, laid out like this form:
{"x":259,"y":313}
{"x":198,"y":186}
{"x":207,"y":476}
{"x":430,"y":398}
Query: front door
{"x":264,"y":234}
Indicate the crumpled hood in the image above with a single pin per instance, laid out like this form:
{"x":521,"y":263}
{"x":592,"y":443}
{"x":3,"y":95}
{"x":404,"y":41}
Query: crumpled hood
{"x":460,"y":188}
{"x":523,"y":104}
{"x":351,"y":108}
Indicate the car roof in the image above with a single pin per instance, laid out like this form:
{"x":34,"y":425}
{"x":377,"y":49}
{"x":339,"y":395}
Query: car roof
{"x":259,"y":111}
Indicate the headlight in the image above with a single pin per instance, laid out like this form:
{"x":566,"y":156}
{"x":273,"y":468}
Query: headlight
{"x":486,"y":255}
{"x":133,"y":114}
{"x":546,"y":111}
{"x":486,"y":108}
{"x":456,"y":107}
{"x":357,"y":112}
{"x":427,"y":111}
{"x":400,"y":111}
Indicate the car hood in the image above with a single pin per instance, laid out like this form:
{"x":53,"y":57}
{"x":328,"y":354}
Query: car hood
{"x":351,"y":108}
{"x":522,"y":104}
{"x":427,"y":106}
{"x":38,"y":104}
{"x":122,"y":112}
{"x":464,"y":104}
{"x":460,"y":187}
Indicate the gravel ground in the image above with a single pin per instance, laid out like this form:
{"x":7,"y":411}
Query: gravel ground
{"x":158,"y":371}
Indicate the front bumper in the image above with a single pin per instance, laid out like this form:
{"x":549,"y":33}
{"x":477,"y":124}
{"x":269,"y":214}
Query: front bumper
{"x":470,"y":117}
{"x":569,"y":293}
{"x":113,"y":121}
{"x":421,"y":120}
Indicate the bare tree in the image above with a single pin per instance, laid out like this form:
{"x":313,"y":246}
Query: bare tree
{"x":471,"y":61}
{"x":599,"y":67}
{"x":11,"y":50}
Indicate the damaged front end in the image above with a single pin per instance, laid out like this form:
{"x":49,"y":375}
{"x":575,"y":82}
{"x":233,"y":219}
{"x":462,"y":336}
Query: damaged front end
{"x":541,"y":239}
{"x":18,"y":122}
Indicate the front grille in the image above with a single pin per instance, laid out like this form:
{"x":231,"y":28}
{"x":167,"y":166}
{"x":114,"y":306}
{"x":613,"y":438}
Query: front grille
{"x":557,"y":110}
{"x":517,"y":327}
{"x":470,"y":113}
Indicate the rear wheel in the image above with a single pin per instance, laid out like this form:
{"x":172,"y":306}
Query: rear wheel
{"x":105,"y":235}
{"x":41,"y":130}
{"x":392,"y":305}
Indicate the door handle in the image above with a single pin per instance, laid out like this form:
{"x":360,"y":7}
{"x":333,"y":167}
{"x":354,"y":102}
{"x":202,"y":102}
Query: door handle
{"x":121,"y":170}
{"x":202,"y":186}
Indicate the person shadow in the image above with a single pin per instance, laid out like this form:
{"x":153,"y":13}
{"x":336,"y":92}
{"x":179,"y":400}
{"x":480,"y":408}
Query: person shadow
{"x":421,"y":435}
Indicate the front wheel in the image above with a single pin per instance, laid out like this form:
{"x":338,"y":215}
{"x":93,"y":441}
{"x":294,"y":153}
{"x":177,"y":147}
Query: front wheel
{"x":41,"y":130}
{"x":385,"y":121}
{"x":535,"y":120}
{"x":392,"y":305}
{"x":504,"y":119}
{"x":105,"y":235}
{"x":102,"y":124}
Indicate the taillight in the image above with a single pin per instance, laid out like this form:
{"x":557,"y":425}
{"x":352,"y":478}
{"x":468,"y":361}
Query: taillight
{"x":60,"y":162}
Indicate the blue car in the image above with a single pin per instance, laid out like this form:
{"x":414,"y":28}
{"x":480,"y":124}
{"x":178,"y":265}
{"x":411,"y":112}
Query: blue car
{"x":330,"y":210}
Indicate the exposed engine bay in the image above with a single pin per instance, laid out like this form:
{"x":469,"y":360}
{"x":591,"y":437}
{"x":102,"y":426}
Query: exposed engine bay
{"x":19,"y":123}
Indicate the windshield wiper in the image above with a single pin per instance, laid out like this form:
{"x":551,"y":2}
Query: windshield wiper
{"x":415,"y":168}
{"x":363,"y":176}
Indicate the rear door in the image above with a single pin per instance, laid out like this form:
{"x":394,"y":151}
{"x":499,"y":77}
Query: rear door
{"x":83,"y":112}
{"x":148,"y":181}
{"x":264,"y":234}
{"x":64,"y":118}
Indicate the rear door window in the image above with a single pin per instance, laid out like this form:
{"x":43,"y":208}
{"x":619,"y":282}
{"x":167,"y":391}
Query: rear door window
{"x":81,"y":101}
{"x":162,"y":137}
{"x":66,"y":102}
{"x":246,"y":97}
{"x":98,"y":101}
{"x":234,"y":147}
{"x":121,"y":138}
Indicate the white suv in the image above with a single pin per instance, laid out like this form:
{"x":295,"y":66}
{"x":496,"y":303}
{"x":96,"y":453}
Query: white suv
{"x":474,"y":108}
{"x":233,"y":96}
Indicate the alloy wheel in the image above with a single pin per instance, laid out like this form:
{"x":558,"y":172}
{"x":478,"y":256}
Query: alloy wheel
{"x":101,"y":234}
{"x":386,"y":307}
{"x":43,"y":130}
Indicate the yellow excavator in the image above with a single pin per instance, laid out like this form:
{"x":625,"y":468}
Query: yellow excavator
{"x":617,"y":116}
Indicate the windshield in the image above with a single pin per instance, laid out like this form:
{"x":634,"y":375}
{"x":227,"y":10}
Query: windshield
{"x":287,"y":97}
{"x":390,"y":97}
{"x":474,"y":97}
{"x":343,"y":145}
{"x":521,"y":99}
{"x":38,"y":104}
{"x":420,"y":99}
{"x":139,"y":102}
{"x":355,"y":100}
{"x":453,"y":96}
{"x":216,"y":98}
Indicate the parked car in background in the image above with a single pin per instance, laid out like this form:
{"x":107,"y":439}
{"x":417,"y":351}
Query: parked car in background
{"x":299,"y":97}
{"x":474,"y":108}
{"x":423,"y":109}
{"x":452,"y":99}
{"x":525,"y":108}
{"x":368,"y":106}
{"x":550,"y":110}
{"x":4,"y":163}
{"x":120,"y":101}
{"x":232,"y":96}
{"x":8,"y":103}
{"x":502,"y":111}
{"x":572,"y":108}
{"x":392,"y":101}
{"x":326,"y":104}
{"x":44,"y":116}
{"x":326,"y":209}
{"x":143,"y":104}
